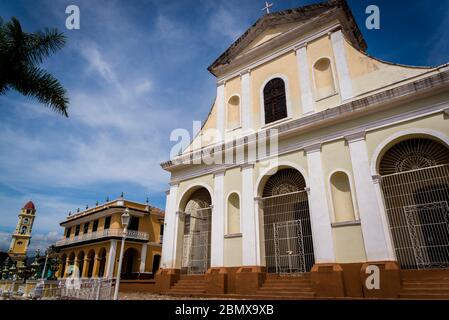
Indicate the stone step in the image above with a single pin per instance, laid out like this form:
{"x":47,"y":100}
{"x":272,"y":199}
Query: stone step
{"x":279,"y":289}
{"x":419,"y":285}
{"x":431,"y":296}
{"x":192,"y":281}
{"x":286,"y":294}
{"x":425,"y":290}
{"x":174,"y":290}
{"x":270,"y":284}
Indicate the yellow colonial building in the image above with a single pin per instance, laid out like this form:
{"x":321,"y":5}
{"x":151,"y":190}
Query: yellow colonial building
{"x":352,"y":186}
{"x":91,"y":243}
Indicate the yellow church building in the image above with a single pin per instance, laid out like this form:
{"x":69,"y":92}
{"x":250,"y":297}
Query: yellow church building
{"x":354,"y":190}
{"x":90,"y":247}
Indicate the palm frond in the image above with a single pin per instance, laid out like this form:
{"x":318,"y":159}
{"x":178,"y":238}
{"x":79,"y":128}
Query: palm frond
{"x":40,"y":84}
{"x":42,"y":44}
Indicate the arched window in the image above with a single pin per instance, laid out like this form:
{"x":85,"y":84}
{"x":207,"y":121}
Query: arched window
{"x":324,"y":79}
{"x":275,"y":102}
{"x":233,"y":213}
{"x":342,"y":197}
{"x":24,"y":230}
{"x":233,"y":113}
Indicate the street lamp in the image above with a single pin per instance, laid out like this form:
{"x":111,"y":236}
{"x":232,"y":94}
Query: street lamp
{"x":125,"y":221}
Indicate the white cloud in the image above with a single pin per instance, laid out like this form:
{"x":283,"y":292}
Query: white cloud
{"x":144,"y":86}
{"x":97,"y":63}
{"x":223,"y":22}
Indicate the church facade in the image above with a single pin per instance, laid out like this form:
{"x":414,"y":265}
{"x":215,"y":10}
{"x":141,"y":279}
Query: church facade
{"x":354,"y":189}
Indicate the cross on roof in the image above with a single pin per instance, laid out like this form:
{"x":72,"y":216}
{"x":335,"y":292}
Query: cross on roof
{"x":267,"y":7}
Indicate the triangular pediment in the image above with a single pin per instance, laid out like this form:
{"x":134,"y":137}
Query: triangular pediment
{"x":274,"y":25}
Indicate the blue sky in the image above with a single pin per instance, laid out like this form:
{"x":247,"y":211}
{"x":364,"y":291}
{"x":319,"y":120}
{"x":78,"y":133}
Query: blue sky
{"x":135,"y":71}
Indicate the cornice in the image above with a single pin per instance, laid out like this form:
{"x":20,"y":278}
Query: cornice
{"x":359,"y":106}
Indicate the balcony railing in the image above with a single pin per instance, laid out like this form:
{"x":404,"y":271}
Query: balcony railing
{"x":131,"y":234}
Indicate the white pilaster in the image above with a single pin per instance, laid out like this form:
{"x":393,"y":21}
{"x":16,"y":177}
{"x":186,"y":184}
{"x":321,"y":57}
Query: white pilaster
{"x":246,"y":100}
{"x":143,"y":257}
{"x":221,"y":111}
{"x":323,"y":243}
{"x":249,"y":233}
{"x":308,"y":104}
{"x":373,"y":228}
{"x":170,"y":235}
{"x":341,"y":64}
{"x":111,"y":259}
{"x":217,"y":229}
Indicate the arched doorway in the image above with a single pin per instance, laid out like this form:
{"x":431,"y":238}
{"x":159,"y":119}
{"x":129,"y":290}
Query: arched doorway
{"x":102,"y":262}
{"x":63,"y":263}
{"x":80,"y":258}
{"x":91,"y":261}
{"x":286,"y":222}
{"x":156,"y":262}
{"x":196,"y":215}
{"x":415,"y":184}
{"x":71,"y":265}
{"x":130,"y":268}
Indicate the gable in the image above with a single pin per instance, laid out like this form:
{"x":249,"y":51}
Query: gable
{"x":275,"y":25}
{"x":269,"y":34}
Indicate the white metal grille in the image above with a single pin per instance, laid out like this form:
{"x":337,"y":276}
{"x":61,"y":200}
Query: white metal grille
{"x":417,"y":208}
{"x":288,"y":233}
{"x":288,"y":246}
{"x":197,"y":240}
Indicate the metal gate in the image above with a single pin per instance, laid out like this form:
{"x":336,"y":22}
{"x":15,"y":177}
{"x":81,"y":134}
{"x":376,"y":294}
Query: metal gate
{"x":197,"y":240}
{"x":289,"y":247}
{"x":288,"y":233}
{"x":416,"y":202}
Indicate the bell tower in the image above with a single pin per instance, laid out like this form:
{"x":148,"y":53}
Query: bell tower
{"x":22,"y":235}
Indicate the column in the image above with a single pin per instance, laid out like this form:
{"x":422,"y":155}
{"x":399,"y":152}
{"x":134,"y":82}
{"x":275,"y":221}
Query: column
{"x":323,"y":243}
{"x":307,"y":102}
{"x":217,"y":229}
{"x":341,"y":64}
{"x":66,"y":270}
{"x":111,"y":259}
{"x":76,"y":270}
{"x":96,"y":268}
{"x":374,"y":235}
{"x":143,"y":257}
{"x":85,"y":267}
{"x":248,"y":216}
{"x":246,"y":100}
{"x":170,"y":235}
{"x":221,"y":111}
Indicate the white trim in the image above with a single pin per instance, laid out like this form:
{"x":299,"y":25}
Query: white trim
{"x":217,"y":222}
{"x":245,"y":102}
{"x":353,"y":196}
{"x":239,"y":125}
{"x":111,"y":259}
{"x":275,"y":168}
{"x":250,"y":239}
{"x":334,"y":79}
{"x":375,"y":231}
{"x":262,"y":100}
{"x":189,"y":188}
{"x":226,"y":233}
{"x":320,"y":220}
{"x":307,"y":103}
{"x":143,"y":258}
{"x":341,"y":63}
{"x":408,"y":132}
{"x":221,"y":112}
